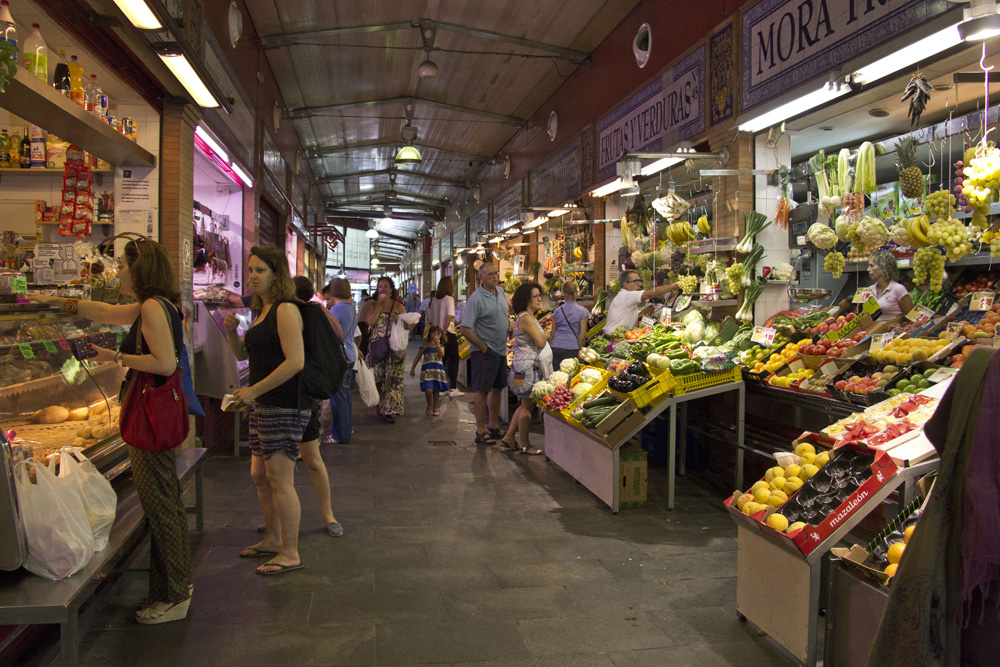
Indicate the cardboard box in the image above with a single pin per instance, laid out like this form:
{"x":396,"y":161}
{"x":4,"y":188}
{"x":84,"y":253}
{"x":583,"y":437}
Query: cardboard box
{"x":863,"y":322}
{"x":616,"y":417}
{"x":634,"y":478}
{"x":620,"y":432}
{"x":856,"y":557}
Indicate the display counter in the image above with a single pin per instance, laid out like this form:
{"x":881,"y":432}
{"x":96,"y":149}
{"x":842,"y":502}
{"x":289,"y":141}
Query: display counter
{"x":216,"y":370}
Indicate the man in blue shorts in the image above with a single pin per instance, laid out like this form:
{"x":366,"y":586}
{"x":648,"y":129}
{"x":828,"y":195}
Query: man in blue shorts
{"x":485,"y":325}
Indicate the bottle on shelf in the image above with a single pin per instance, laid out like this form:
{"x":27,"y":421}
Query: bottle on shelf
{"x":60,"y":78}
{"x":4,"y":155}
{"x":14,"y":150}
{"x":37,"y":136}
{"x":36,"y":55}
{"x":77,"y":92}
{"x":25,"y":153}
{"x":90,"y":94}
{"x":7,"y":23}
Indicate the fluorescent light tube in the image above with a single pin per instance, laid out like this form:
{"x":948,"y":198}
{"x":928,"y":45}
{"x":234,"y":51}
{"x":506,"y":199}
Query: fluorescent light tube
{"x":245,"y":177}
{"x":212,"y":143}
{"x":604,"y":190}
{"x":659,"y":165}
{"x":794,"y":108}
{"x":919,"y":51}
{"x":139,"y":14}
{"x":178,"y":64}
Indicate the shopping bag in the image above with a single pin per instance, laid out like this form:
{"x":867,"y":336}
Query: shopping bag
{"x":399,"y":335}
{"x":60,"y":541}
{"x":545,"y":361}
{"x":100,"y":501}
{"x":365,"y":379}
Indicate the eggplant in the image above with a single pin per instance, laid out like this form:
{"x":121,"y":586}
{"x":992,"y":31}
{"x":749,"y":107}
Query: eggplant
{"x":638,"y":368}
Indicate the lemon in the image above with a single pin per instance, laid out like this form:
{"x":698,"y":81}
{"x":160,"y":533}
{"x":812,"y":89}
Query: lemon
{"x":822,"y":459}
{"x":798,"y":525}
{"x":907,"y":534}
{"x":891,"y":569}
{"x":896,"y":552}
{"x":778,"y":522}
{"x":778,"y":483}
{"x":761,"y":484}
{"x":777,"y":498}
{"x":804,"y":448}
{"x":808,"y":470}
{"x":792,"y":484}
{"x":761,"y":495}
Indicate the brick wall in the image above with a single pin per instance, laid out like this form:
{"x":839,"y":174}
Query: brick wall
{"x":177,"y":180}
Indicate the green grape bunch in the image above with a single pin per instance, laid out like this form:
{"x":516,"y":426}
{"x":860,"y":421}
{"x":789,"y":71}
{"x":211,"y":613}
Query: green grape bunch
{"x":929,"y":262}
{"x":981,"y":177}
{"x":733,"y":275}
{"x":953,"y":235}
{"x":834,"y":263}
{"x":939,"y":204}
{"x":995,"y":248}
{"x":688,"y":283}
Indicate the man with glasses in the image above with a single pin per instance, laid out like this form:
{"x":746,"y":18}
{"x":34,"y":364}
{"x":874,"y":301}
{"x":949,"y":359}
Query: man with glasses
{"x":485,"y":325}
{"x":624,"y":308}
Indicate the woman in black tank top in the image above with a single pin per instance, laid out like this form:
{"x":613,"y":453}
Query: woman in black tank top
{"x":279,"y":408}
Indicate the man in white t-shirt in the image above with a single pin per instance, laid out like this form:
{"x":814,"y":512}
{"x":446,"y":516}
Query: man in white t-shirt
{"x":624,"y":308}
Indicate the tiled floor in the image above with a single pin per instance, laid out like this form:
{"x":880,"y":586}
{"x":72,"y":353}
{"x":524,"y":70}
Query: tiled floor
{"x":452,"y":555}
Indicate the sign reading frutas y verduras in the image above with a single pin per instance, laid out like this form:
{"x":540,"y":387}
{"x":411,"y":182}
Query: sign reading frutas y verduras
{"x":788,"y":42}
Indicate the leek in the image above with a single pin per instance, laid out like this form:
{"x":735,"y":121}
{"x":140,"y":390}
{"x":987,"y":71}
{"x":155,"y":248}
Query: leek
{"x":844,"y":170}
{"x":750,"y":264}
{"x":745,"y":313}
{"x":755,"y":223}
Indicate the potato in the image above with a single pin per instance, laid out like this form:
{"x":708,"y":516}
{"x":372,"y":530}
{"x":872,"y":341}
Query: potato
{"x":86,"y":432}
{"x":80,"y":442}
{"x":79,"y":414}
{"x":54,"y":414}
{"x":101,"y":432}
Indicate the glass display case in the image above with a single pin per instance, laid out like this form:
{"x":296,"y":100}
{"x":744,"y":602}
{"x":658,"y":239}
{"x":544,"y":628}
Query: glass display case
{"x":50,"y":399}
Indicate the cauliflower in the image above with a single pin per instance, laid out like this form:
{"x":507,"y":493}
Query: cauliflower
{"x":872,"y":232}
{"x":569,"y":366}
{"x":590,"y":375}
{"x":783,"y":271}
{"x":540,"y":389}
{"x":558,"y":378}
{"x":665,"y":252}
{"x":637,"y":258}
{"x":822,"y":236}
{"x":901,"y":235}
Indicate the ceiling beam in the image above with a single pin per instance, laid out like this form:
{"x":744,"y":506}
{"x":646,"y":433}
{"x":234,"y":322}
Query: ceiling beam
{"x":290,"y":38}
{"x":332,"y":151}
{"x":309,"y":112}
{"x":340,"y":199}
{"x":386,"y":172}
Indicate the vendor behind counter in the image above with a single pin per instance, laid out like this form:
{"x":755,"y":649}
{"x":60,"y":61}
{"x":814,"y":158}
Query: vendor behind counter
{"x":624,"y":308}
{"x":893,"y":299}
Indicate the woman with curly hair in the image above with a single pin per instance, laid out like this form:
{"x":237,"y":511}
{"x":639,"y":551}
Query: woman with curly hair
{"x":529,"y":339}
{"x":893,"y":299}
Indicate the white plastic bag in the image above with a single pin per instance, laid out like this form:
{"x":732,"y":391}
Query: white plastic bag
{"x":60,"y":541}
{"x":399,"y":336}
{"x":365,"y":379}
{"x":545,"y":361}
{"x":100,"y":501}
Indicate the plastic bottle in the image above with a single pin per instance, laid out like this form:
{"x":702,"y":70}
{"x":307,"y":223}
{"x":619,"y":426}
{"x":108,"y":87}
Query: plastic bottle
{"x":77,"y":92}
{"x":90,"y":94}
{"x":4,"y":155}
{"x":60,"y":78}
{"x":36,"y":54}
{"x":14,"y":150}
{"x":37,"y":155}
{"x":25,"y":153}
{"x":7,"y":23}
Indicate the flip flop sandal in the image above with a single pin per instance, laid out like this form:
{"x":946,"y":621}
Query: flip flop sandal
{"x":531,"y":451}
{"x":255,"y":552}
{"x":485,"y":440}
{"x":507,"y":445}
{"x":281,"y":569}
{"x":496,"y":433}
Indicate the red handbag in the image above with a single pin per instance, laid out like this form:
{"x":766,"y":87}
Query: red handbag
{"x":153,"y":418}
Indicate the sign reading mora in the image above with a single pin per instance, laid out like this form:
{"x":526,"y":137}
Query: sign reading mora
{"x":787,"y":42}
{"x":665,"y":112}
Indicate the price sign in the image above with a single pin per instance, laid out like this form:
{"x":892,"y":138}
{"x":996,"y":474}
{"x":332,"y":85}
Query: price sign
{"x":879,"y":341}
{"x":920,"y":314}
{"x":63,"y":344}
{"x":667,"y":316}
{"x":942,"y":374}
{"x":682,"y":302}
{"x":763,"y":336}
{"x":863,"y":294}
{"x":26,"y":350}
{"x":796,"y":365}
{"x":646,"y":322}
{"x":954,"y":328}
{"x":903,"y":263}
{"x":50,"y":347}
{"x":872,"y":308}
{"x":982,"y":300}
{"x":20,"y":284}
{"x":829,"y":368}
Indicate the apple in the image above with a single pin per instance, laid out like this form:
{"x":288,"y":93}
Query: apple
{"x":823,"y":328}
{"x":840,"y":385}
{"x":851,"y":316}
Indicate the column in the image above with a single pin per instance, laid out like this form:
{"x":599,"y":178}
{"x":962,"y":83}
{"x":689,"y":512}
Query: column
{"x":177,"y":186}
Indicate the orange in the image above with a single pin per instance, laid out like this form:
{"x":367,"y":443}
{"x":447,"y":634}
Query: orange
{"x":896,"y":552}
{"x":907,"y":534}
{"x":891,"y":569}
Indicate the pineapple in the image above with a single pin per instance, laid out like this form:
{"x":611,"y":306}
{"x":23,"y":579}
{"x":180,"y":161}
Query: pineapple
{"x":911,"y":179}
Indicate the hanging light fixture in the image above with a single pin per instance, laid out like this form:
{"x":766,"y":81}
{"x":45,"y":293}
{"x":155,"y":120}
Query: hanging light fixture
{"x":371,"y":233}
{"x":981,"y":21}
{"x":408,"y":155}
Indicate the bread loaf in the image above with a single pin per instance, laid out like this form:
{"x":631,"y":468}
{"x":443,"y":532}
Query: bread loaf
{"x":54,"y":414}
{"x":79,"y":414}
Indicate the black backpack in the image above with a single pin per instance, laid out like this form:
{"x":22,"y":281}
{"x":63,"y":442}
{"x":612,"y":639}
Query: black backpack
{"x":326,"y":359}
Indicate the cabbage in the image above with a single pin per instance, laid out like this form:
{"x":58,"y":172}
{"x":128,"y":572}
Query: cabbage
{"x":581,"y":388}
{"x":695,"y":331}
{"x":541,"y":389}
{"x":712,"y":329}
{"x":559,"y":378}
{"x":693,"y":316}
{"x":569,"y":366}
{"x":591,"y":375}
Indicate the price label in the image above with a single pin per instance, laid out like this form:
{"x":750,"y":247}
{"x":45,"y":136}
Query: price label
{"x":863,"y":294}
{"x":26,"y":350}
{"x":763,"y":336}
{"x":954,"y":328}
{"x":20,"y":284}
{"x":50,"y":347}
{"x":903,"y":263}
{"x":796,"y":365}
{"x":942,"y":374}
{"x":682,"y":302}
{"x":829,"y":368}
{"x":872,"y":308}
{"x":646,"y":322}
{"x":63,"y":344}
{"x":879,"y":341}
{"x":667,"y":316}
{"x":982,"y":300}
{"x":920,"y":314}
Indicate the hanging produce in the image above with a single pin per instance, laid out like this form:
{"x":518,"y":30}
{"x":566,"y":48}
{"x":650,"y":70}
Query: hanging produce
{"x":745,"y":313}
{"x":864,"y":172}
{"x":980,"y":179}
{"x":704,"y":226}
{"x":784,"y":203}
{"x":844,"y":170}
{"x":825,"y":172}
{"x":750,"y":264}
{"x":918,"y":91}
{"x":821,"y":236}
{"x":734,"y":276}
{"x":953,"y":235}
{"x":929,"y":262}
{"x":755,"y":223}
{"x":834,"y":263}
{"x":671,"y":206}
{"x":911,"y":179}
{"x":918,"y":228}
{"x":900,"y":233}
{"x":872,"y":232}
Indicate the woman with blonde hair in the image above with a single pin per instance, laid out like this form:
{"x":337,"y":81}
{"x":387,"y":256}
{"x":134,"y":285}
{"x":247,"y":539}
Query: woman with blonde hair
{"x":279,"y":407}
{"x":441,"y":312}
{"x":569,"y":326}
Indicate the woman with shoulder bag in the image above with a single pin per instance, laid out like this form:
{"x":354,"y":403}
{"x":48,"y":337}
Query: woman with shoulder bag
{"x":387,"y":365}
{"x":441,"y":312}
{"x":569,"y":326}
{"x":145,"y":273}
{"x":529,"y":339}
{"x":280,"y":408}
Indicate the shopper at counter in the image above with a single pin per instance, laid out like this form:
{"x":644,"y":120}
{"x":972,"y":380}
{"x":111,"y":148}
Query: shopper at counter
{"x":569,"y":326}
{"x":485,"y":326}
{"x":279,"y":409}
{"x":441,"y":312}
{"x":145,"y":273}
{"x":364,"y":308}
{"x":339,"y":300}
{"x":624,"y":308}
{"x":310,"y":438}
{"x":893,"y":299}
{"x":529,"y":339}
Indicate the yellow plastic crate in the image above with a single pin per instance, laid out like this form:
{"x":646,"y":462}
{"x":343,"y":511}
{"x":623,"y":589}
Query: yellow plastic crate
{"x":660,"y":385}
{"x":595,"y":390}
{"x":695,"y":381}
{"x":596,"y":329}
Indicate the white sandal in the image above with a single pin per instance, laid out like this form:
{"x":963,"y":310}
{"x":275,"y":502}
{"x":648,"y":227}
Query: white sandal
{"x":145,"y":602}
{"x":152,"y":616}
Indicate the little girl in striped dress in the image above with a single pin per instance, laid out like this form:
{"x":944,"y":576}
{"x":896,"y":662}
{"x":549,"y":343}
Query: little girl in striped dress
{"x":433,"y":380}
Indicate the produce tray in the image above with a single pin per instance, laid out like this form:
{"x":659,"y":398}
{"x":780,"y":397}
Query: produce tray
{"x":596,"y":329}
{"x":659,"y":385}
{"x":596,"y":389}
{"x":696,"y":381}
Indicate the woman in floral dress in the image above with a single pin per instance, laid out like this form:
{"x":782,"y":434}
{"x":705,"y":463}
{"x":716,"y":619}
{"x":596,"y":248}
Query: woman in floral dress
{"x":388,"y":366}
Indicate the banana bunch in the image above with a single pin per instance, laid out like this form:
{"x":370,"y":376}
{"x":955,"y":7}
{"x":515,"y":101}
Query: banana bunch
{"x":680,"y":232}
{"x":918,"y":228}
{"x":704,"y":226}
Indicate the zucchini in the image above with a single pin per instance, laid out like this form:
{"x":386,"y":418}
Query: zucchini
{"x":604,"y":401}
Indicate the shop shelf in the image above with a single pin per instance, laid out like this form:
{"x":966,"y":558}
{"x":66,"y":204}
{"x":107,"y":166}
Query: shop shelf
{"x":50,"y":172}
{"x":714,"y":245}
{"x":718,"y":304}
{"x":32,"y":99}
{"x":695,"y":381}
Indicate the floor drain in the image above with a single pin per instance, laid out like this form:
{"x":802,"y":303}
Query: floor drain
{"x":442,"y":443}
